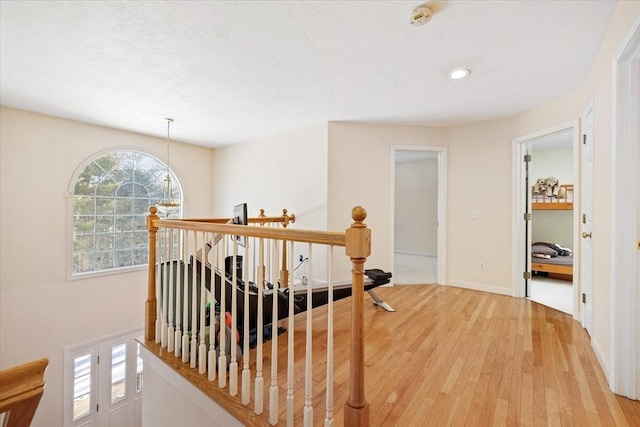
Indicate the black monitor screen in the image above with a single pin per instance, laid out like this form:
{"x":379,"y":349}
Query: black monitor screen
{"x":240,"y":217}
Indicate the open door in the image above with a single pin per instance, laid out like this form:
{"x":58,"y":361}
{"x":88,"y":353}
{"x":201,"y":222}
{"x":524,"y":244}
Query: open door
{"x":527,"y":220}
{"x":586,"y":197}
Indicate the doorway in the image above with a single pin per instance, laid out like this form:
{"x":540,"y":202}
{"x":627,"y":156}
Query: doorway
{"x":103,"y":383}
{"x":552,"y":228}
{"x":418,"y":203}
{"x":550,"y":153}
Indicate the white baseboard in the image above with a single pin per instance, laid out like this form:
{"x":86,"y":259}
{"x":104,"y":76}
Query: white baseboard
{"x":412,"y":253}
{"x":603,"y":366}
{"x":480,"y":287}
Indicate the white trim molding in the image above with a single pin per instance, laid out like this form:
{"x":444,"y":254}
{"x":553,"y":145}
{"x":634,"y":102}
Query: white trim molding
{"x":520,"y":260}
{"x":624,"y":378}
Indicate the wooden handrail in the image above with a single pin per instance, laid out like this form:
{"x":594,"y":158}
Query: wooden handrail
{"x":21,"y":388}
{"x":221,"y":226}
{"x":288,"y":234}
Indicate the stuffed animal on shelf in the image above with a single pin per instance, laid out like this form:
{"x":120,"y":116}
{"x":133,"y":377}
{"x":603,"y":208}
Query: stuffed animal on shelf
{"x":540,"y":186}
{"x":553,"y":186}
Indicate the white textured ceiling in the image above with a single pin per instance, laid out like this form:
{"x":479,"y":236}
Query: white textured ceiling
{"x":234,"y":71}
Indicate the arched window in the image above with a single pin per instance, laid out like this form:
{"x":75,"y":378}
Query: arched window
{"x":111,"y":198}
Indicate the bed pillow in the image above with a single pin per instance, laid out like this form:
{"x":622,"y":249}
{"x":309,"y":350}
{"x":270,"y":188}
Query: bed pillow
{"x":543,"y":250}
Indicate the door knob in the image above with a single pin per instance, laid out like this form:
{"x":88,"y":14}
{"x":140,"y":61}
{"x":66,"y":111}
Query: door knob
{"x":585,"y":235}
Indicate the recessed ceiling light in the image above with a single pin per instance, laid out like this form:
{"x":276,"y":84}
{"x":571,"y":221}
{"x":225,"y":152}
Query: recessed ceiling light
{"x":459,"y":74}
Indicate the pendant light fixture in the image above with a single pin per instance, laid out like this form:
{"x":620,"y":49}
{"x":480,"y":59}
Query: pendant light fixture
{"x":168,"y":204}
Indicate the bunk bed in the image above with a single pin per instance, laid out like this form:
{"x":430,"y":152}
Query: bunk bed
{"x":564,"y":200}
{"x":548,"y":257}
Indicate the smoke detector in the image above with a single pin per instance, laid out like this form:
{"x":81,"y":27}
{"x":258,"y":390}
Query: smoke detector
{"x":420,"y":15}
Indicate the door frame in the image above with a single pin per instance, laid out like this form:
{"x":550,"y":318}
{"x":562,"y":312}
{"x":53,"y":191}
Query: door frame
{"x":624,"y":376}
{"x":587,"y":200}
{"x":441,"y":275}
{"x":518,"y":208}
{"x":88,"y":348}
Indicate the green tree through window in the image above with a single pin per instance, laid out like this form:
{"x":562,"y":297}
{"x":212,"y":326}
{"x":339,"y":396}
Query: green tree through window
{"x":111,"y":200}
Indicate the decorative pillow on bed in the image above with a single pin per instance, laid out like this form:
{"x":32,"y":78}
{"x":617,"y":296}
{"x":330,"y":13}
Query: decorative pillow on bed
{"x":543,"y":250}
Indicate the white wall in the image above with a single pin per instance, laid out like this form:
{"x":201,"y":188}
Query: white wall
{"x":284,"y":171}
{"x":598,"y":87}
{"x":556,"y":162}
{"x":416,"y":205}
{"x":170,"y":400}
{"x":360,"y":174}
{"x":480,"y":180}
{"x":41,"y":313}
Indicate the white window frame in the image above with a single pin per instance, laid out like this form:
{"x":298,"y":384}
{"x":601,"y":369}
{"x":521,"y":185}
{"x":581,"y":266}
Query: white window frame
{"x":70,"y":216}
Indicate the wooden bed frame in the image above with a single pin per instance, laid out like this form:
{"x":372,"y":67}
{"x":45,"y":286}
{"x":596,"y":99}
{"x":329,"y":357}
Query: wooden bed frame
{"x":561,"y":272}
{"x":540,"y":202}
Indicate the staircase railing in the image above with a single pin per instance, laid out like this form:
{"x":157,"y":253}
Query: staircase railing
{"x":217,"y":293}
{"x":21,"y":388}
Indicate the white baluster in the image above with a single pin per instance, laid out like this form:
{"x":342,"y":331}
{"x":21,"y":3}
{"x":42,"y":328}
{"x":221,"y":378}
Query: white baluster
{"x":171,"y":285}
{"x":202,"y":333}
{"x":158,"y":334}
{"x":328,"y":421}
{"x":165,"y":288}
{"x":273,"y":390}
{"x":222,"y":358}
{"x":194,"y":306}
{"x":185,"y":302}
{"x":179,"y":286}
{"x":212,"y":315}
{"x":246,"y":373}
{"x":290,"y":342}
{"x":258,"y":401}
{"x":308,"y":386}
{"x":233,"y":365}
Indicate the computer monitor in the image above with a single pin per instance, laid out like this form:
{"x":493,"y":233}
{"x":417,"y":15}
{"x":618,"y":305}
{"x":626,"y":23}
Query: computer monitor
{"x":240,"y":217}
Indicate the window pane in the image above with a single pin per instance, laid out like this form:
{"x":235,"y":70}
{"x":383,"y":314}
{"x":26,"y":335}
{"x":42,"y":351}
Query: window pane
{"x":139,"y":369}
{"x":83,"y":205}
{"x":124,"y":223}
{"x":141,"y":205}
{"x":118,"y":372}
{"x":124,"y":206}
{"x":105,"y":205}
{"x":124,"y":258}
{"x":104,"y":241}
{"x":81,"y":386}
{"x":104,"y":261}
{"x":82,"y":262}
{"x":140,"y":256}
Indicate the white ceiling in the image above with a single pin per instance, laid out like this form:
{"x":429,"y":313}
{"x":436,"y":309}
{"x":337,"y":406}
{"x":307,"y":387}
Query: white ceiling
{"x":234,"y":71}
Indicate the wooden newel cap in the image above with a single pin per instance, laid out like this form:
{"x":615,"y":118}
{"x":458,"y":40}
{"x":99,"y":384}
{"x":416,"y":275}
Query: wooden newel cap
{"x":359,"y":214}
{"x":153,"y":210}
{"x":358,"y":236}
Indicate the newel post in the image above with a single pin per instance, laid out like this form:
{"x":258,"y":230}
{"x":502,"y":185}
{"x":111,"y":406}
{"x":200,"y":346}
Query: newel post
{"x":358,"y":248}
{"x":150,"y":303}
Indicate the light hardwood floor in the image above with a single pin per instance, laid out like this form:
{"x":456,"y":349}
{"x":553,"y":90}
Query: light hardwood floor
{"x":452,"y":356}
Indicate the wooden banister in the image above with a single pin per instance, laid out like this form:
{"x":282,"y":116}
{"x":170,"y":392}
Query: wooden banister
{"x":358,"y":248}
{"x":21,"y":388}
{"x":151,"y":302}
{"x":357,"y":242}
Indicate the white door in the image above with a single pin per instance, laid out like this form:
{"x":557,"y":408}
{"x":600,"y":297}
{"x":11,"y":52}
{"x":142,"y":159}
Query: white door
{"x":119,"y":383}
{"x":586,"y":197}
